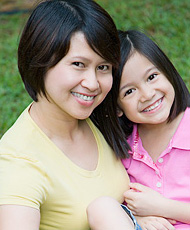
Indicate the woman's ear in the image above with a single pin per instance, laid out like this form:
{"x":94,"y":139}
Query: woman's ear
{"x":119,"y":112}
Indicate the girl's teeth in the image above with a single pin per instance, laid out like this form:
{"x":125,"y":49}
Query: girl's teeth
{"x":153,"y":106}
{"x":84,"y":97}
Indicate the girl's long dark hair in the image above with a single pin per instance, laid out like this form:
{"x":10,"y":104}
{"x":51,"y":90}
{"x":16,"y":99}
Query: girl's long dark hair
{"x":135,"y":41}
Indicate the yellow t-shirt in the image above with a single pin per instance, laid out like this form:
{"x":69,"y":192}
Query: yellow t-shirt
{"x":35,"y":173}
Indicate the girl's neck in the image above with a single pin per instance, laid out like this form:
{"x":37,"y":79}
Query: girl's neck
{"x":155,"y":129}
{"x":156,"y":137}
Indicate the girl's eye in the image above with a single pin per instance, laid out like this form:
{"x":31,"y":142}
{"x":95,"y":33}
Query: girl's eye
{"x":151,"y":77}
{"x":129,"y":91}
{"x":79,"y":64}
{"x":104,"y":67}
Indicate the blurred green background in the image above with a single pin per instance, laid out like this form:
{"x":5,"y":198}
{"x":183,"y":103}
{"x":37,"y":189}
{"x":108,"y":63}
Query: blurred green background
{"x":168,"y":21}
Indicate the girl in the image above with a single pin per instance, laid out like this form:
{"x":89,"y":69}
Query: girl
{"x":153,"y":108}
{"x":154,"y":114}
{"x":53,"y":160}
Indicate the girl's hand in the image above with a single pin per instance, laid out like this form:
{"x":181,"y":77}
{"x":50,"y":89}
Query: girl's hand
{"x":144,"y":201}
{"x":155,"y":223}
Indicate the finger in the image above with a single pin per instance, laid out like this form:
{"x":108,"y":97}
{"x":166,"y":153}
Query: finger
{"x":138,"y":187}
{"x":129,"y":200}
{"x":172,"y":221}
{"x":149,"y":227}
{"x":129,"y":194}
{"x":157,"y":225}
{"x":131,"y":208}
{"x":166,"y":223}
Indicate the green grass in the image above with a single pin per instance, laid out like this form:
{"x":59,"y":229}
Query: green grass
{"x":13,"y":97}
{"x":168,"y":21}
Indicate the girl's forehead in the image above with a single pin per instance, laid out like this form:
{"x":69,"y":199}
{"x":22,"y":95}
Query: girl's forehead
{"x":137,"y":63}
{"x":137,"y":68}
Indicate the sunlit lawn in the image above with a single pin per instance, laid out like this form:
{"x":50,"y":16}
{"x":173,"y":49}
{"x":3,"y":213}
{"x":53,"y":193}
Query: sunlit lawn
{"x":167,"y":21}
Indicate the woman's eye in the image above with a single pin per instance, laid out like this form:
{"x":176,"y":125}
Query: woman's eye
{"x":79,"y":64}
{"x":129,"y":92}
{"x":151,"y":77}
{"x":104,"y":67}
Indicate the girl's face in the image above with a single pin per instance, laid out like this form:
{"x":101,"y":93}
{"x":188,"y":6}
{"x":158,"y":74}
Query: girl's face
{"x":146,"y":96}
{"x":79,"y":82}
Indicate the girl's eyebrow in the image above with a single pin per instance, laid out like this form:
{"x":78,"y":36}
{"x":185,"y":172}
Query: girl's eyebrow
{"x":150,"y":69}
{"x":125,"y":86}
{"x":146,"y":72}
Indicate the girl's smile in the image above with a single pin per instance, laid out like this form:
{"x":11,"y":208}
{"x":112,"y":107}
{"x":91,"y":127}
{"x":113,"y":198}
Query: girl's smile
{"x":154,"y":106}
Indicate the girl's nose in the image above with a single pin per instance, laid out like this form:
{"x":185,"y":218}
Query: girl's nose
{"x":147,"y":93}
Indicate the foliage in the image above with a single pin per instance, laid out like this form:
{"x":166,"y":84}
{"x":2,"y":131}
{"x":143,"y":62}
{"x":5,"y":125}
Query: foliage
{"x":167,"y":21}
{"x":12,"y":93}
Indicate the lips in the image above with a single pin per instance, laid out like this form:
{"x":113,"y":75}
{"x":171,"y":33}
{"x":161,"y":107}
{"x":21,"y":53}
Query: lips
{"x":83,"y":97}
{"x":153,"y":106}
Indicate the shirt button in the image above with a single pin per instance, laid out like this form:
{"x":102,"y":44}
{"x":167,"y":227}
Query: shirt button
{"x":160,"y":160}
{"x":159,"y":184}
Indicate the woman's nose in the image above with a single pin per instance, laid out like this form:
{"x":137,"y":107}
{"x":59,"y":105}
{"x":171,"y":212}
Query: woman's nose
{"x":90,"y":81}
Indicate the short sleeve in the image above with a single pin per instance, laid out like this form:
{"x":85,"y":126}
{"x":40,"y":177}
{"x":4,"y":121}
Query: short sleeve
{"x":22,"y":181}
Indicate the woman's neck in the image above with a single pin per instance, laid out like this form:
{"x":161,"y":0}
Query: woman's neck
{"x":52,"y":122}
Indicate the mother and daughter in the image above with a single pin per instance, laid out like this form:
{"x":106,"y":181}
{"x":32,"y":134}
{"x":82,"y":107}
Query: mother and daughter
{"x":55,"y":164}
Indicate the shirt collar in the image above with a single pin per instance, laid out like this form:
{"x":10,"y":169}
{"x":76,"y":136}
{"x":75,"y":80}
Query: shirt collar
{"x":132,"y":138}
{"x":181,"y":138}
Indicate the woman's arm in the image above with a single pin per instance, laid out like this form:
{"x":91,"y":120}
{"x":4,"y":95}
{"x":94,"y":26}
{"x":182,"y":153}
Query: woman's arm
{"x":144,"y":201}
{"x":155,"y":222}
{"x":19,"y":217}
{"x":105,"y":213}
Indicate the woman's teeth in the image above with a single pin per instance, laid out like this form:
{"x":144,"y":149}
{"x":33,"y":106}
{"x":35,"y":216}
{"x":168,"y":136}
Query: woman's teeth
{"x":153,"y":106}
{"x":83,"y":97}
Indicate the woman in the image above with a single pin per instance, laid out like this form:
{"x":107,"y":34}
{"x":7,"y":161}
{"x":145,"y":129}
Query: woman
{"x":53,"y":160}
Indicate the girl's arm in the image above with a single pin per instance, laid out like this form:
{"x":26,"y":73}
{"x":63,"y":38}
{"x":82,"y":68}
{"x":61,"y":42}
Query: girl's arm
{"x":19,"y":218}
{"x":144,"y":201}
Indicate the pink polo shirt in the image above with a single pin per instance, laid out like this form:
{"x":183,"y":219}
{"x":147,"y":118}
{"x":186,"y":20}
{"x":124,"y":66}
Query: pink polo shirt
{"x":170,"y":175}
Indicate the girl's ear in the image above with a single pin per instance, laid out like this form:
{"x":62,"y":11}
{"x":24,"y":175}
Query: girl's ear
{"x":119,"y":112}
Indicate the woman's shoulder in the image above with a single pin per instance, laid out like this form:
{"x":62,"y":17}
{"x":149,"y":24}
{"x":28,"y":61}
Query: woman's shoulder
{"x":19,"y":137}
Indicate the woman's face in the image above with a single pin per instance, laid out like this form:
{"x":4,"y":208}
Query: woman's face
{"x":79,"y":82}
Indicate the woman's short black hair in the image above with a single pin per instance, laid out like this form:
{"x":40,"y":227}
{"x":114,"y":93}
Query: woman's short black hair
{"x":46,"y":38}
